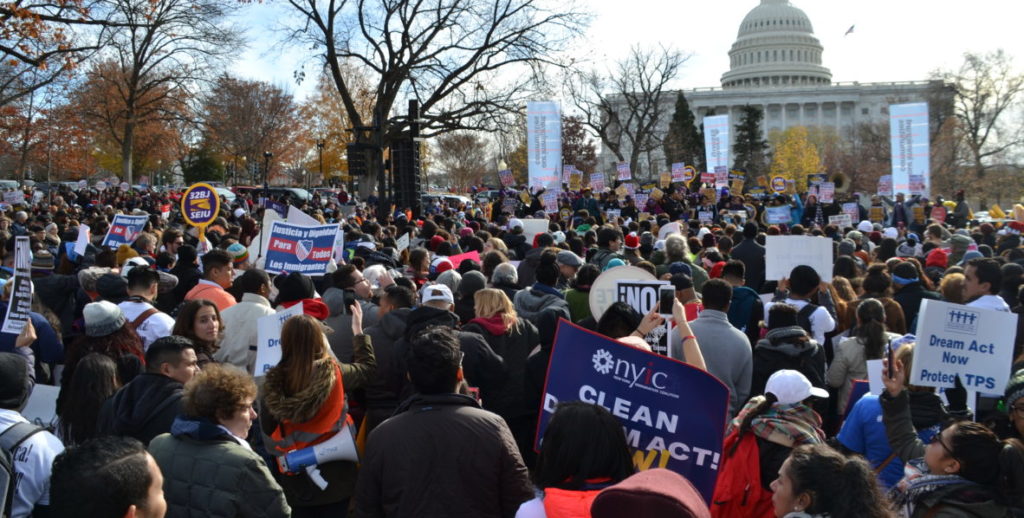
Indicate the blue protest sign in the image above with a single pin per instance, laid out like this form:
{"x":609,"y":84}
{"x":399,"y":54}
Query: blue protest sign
{"x":673,"y":414}
{"x":279,"y":208}
{"x":300,"y":248}
{"x":124,"y":230}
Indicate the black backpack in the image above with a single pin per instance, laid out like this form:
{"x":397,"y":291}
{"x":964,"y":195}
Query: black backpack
{"x":803,"y":317}
{"x":10,"y":439}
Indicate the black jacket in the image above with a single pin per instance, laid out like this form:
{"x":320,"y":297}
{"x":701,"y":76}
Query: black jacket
{"x":384,"y":393}
{"x":59,"y":293}
{"x":527,"y":269}
{"x":142,"y":409}
{"x":509,"y":399}
{"x":480,"y":365}
{"x":909,"y":298}
{"x":751,"y":255}
{"x":188,"y":276}
{"x":781,"y":349}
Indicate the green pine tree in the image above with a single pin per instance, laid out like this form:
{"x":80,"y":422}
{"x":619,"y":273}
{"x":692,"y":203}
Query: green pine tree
{"x":202,"y":166}
{"x":683,"y":143}
{"x":750,"y":145}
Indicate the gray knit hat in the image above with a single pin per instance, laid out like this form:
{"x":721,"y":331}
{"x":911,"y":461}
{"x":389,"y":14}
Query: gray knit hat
{"x":102,"y":318}
{"x":1015,"y":388}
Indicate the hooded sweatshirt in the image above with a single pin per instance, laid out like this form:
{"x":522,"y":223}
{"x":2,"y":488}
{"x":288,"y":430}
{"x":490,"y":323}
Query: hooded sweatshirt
{"x":481,"y":366}
{"x":144,"y":408}
{"x":782,"y":349}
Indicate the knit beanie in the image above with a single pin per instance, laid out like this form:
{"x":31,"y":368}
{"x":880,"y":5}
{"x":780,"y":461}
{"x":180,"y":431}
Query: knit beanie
{"x":450,"y":278}
{"x":239,"y":253}
{"x":936,"y":258}
{"x":102,"y":318}
{"x":124,"y":252}
{"x":292,"y":287}
{"x":1015,"y":388}
{"x":15,"y":385}
{"x":472,"y":282}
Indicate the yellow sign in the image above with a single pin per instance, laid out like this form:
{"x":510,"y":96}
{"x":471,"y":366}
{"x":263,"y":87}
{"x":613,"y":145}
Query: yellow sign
{"x":644,"y":216}
{"x":918,"y":214}
{"x":525,"y":197}
{"x":737,"y":186}
{"x":666,"y":180}
{"x":575,"y":181}
{"x":622,"y":190}
{"x":657,"y":194}
{"x":876,"y":214}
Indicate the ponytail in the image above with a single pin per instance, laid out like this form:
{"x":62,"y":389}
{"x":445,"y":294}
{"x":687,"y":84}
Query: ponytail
{"x":871,"y":328}
{"x":1011,"y":472}
{"x":762,"y":406}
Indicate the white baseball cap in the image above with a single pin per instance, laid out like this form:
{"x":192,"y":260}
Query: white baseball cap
{"x":865,"y":226}
{"x":437,"y":292}
{"x":513,"y":223}
{"x":791,"y":387}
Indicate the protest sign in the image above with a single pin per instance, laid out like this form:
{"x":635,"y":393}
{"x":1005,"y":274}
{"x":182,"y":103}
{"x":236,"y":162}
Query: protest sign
{"x":954,"y":339}
{"x":669,"y":228}
{"x":689,"y":173}
{"x":623,"y":172}
{"x":826,"y":192}
{"x":778,"y":215}
{"x":707,"y":177}
{"x":597,"y":182}
{"x":544,"y":132}
{"x":917,"y":185}
{"x":665,"y":180}
{"x":630,"y":189}
{"x":550,"y":202}
{"x":200,"y":205}
{"x":621,"y":190}
{"x":101,"y":185}
{"x":524,"y":196}
{"x":124,"y":186}
{"x":721,"y":179}
{"x":783,"y":253}
{"x":938,"y":214}
{"x":918,"y":212}
{"x":657,"y":194}
{"x":909,"y":145}
{"x":506,"y":178}
{"x":567,"y":172}
{"x":779,"y":183}
{"x":298,"y":217}
{"x":124,"y":230}
{"x":679,"y":172}
{"x":612,"y":214}
{"x":83,"y":185}
{"x":705,"y":216}
{"x":14,"y":197}
{"x":280,"y":208}
{"x":717,"y":148}
{"x":82,"y":243}
{"x":674,"y":414}
{"x":643,"y":297}
{"x":885,"y":185}
{"x":603,"y":290}
{"x":300,"y":248}
{"x":575,"y":181}
{"x":268,"y":338}
{"x":816,"y":179}
{"x":41,"y":407}
{"x":736,"y":186}
{"x":457,"y":259}
{"x":853,"y":210}
{"x":876,"y":214}
{"x":840,"y":220}
{"x":402,"y":242}
{"x":20,"y":303}
{"x":875,"y":377}
{"x":532,"y":227}
{"x":641,"y":200}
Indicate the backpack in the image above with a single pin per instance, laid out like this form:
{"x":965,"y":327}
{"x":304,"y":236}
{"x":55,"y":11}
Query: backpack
{"x":803,"y":317}
{"x":738,"y":492}
{"x":10,"y":439}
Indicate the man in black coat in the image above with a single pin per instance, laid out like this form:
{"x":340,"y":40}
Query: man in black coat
{"x":752,"y":255}
{"x":146,"y":406}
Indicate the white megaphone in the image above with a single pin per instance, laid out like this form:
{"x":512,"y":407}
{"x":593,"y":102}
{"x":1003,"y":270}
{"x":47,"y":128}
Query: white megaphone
{"x":341,"y":446}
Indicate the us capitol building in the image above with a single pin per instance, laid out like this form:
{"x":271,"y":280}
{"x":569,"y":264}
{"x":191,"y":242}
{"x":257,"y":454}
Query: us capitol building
{"x":776,"y":65}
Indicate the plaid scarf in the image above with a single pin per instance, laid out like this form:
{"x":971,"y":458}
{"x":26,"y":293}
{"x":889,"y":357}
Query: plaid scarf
{"x":788,"y":425}
{"x":917,"y":483}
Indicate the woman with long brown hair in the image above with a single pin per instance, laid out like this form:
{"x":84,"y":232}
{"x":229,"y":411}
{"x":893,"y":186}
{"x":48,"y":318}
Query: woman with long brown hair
{"x":199,"y":320}
{"x":303,"y":403}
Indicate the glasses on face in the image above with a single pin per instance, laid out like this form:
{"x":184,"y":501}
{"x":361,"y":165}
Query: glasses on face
{"x":937,"y":439}
{"x":1019,"y":409}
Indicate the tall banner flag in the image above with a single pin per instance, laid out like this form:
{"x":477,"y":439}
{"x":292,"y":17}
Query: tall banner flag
{"x":716,"y":142}
{"x":124,"y":230}
{"x":673,"y":413}
{"x":544,"y":151}
{"x":20,"y":303}
{"x":908,"y":128}
{"x":300,"y":248}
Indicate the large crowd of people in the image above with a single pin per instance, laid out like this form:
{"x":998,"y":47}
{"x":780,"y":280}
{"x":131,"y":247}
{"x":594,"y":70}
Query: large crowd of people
{"x":434,"y":370}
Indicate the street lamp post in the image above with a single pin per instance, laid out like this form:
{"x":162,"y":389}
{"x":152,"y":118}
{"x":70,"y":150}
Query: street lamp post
{"x":320,"y":150}
{"x":267,"y":155}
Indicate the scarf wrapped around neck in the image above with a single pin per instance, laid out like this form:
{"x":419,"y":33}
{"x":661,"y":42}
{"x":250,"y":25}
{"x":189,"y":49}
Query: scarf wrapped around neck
{"x":787,"y":425}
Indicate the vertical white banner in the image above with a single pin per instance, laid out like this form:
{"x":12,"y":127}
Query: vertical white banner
{"x":908,"y":129}
{"x":20,"y":303}
{"x":716,"y":142}
{"x":544,"y":147}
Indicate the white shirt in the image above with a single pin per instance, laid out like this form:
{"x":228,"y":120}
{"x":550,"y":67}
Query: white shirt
{"x":33,"y":461}
{"x":821,"y":321}
{"x":989,"y":302}
{"x":158,"y":324}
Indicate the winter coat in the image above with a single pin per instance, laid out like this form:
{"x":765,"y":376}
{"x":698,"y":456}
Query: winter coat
{"x":142,"y":409}
{"x":779,"y":350}
{"x":188,"y":276}
{"x":480,"y":365}
{"x":208,"y":473}
{"x":909,"y":298}
{"x":514,"y":346}
{"x":442,"y":455}
{"x":746,"y":311}
{"x":953,"y":501}
{"x":384,"y":391}
{"x":579,"y":304}
{"x":848,"y":364}
{"x":58,"y":292}
{"x":517,"y":245}
{"x":527,"y":268}
{"x":530,"y":302}
{"x":751,"y":254}
{"x":602,"y":256}
{"x":340,"y":322}
{"x":238,"y":344}
{"x":277,"y":407}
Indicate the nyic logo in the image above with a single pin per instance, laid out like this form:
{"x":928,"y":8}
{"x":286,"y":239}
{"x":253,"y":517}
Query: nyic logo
{"x":603,"y":361}
{"x":962,"y":321}
{"x":628,"y":372}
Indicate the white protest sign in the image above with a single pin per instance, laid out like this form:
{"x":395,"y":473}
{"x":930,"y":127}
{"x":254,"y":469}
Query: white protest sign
{"x":643,"y":297}
{"x":41,"y":407}
{"x":268,"y":338}
{"x":82,"y":243}
{"x":402,"y":242}
{"x":875,"y":377}
{"x":257,"y":255}
{"x":301,"y":218}
{"x":954,"y":339}
{"x":603,"y":290}
{"x":783,"y":253}
{"x":705,"y":216}
{"x":670,"y":228}
{"x":532,"y":227}
{"x":20,"y":303}
{"x":14,"y":197}
{"x":826,"y":192}
{"x":778,"y":215}
{"x":840,"y":220}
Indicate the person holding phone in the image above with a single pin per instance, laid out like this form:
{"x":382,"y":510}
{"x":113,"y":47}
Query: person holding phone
{"x":726,"y":350}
